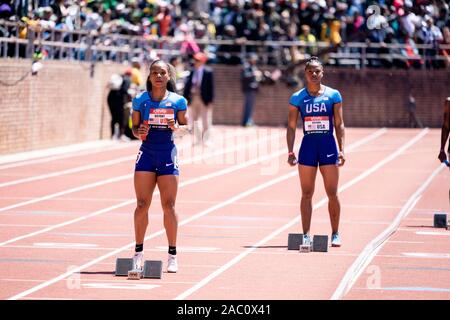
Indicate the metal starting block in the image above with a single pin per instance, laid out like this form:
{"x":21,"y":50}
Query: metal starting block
{"x":294,"y":241}
{"x":152,"y":269}
{"x":320,"y":244}
{"x":123,"y":265}
{"x":440,"y":221}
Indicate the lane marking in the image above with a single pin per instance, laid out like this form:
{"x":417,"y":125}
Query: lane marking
{"x":132,"y":201}
{"x":322,"y":202}
{"x":376,"y":244}
{"x":36,"y":154}
{"x":186,"y":221}
{"x":189,"y":249}
{"x":427,"y":255}
{"x":105,"y":163}
{"x":156,"y":234}
{"x":432,"y":233}
{"x":64,"y":245}
{"x":129,"y":176}
{"x":252,"y":248}
{"x":416,"y":289}
{"x":121,"y":286}
{"x":69,"y":171}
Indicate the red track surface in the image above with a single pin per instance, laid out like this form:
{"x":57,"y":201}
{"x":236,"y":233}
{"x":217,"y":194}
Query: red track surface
{"x":232,"y":241}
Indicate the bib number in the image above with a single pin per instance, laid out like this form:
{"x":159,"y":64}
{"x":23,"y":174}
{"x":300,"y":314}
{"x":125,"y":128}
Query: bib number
{"x":317,"y":124}
{"x":158,"y":118}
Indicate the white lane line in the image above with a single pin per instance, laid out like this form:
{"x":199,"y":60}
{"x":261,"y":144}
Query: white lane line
{"x":128,"y":176}
{"x":432,"y":233}
{"x":322,"y":202}
{"x":427,"y":255}
{"x":129,"y":145}
{"x":190,"y":249}
{"x":69,"y":171}
{"x":376,"y":244}
{"x":60,"y":245}
{"x":120,"y":286}
{"x":74,"y":148}
{"x":162,"y":231}
{"x":24,"y":225}
{"x":131,"y":201}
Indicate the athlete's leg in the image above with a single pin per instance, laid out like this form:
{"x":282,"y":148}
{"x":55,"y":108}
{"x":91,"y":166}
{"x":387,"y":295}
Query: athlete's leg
{"x":307,"y":182}
{"x":144,"y":185}
{"x":205,"y":122}
{"x":168,"y":187}
{"x":195,"y":109}
{"x":330,"y":174}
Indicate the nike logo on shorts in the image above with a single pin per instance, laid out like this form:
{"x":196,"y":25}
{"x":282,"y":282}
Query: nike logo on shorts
{"x":329,"y":155}
{"x":169,"y":164}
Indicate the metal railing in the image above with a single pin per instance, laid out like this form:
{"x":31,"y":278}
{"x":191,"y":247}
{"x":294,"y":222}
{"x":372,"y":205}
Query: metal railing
{"x":93,"y":46}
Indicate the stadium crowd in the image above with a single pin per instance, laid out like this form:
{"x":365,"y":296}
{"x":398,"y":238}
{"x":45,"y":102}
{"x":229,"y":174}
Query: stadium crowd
{"x":336,"y":22}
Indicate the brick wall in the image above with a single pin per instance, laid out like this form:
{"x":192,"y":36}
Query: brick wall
{"x":372,"y":98}
{"x":63,"y":104}
{"x":60,"y":105}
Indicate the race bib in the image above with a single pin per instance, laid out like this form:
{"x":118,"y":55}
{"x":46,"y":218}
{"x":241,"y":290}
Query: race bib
{"x":321,"y":123}
{"x":158,"y":118}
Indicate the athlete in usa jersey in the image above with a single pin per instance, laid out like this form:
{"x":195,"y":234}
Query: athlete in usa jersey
{"x":156,"y":114}
{"x":320,"y":108}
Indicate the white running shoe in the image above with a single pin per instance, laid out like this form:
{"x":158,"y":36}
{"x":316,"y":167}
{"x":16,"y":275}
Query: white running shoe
{"x":335,"y":240}
{"x":172,"y":264}
{"x":138,"y":261}
{"x":306,"y":240}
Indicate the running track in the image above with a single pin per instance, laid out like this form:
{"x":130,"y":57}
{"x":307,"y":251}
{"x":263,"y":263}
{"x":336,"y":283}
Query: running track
{"x":66,"y":215}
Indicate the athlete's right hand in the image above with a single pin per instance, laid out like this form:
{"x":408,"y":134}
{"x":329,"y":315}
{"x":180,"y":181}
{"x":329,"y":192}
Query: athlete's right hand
{"x":292,"y":160}
{"x":143,"y":131}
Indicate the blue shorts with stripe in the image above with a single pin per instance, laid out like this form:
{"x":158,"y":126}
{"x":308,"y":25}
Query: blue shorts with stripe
{"x":162,"y":161}
{"x":318,"y":149}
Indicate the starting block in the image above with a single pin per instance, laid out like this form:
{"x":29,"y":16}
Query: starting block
{"x":294,"y":241}
{"x":440,"y":221}
{"x":319,"y":243}
{"x":123,"y":265}
{"x":152,"y":269}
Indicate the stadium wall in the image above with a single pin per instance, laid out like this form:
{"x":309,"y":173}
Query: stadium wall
{"x":64,"y":103}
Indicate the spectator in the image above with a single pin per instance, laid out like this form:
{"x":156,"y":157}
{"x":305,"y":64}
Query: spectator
{"x":199,"y":92}
{"x":309,"y":39}
{"x":116,"y":100}
{"x":136,"y":75}
{"x":446,"y":52}
{"x":414,"y":121}
{"x":430,"y":35}
{"x":251,"y":76}
{"x":164,"y":19}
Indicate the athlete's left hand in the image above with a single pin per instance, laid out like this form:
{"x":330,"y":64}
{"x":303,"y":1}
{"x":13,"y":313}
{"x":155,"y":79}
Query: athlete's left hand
{"x":171,"y":124}
{"x":341,"y":159}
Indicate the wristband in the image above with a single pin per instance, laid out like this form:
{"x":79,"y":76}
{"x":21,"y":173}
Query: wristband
{"x":291,"y":154}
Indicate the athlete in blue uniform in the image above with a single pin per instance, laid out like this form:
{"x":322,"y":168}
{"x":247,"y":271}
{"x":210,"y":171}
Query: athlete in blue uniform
{"x":320,"y":108}
{"x":157,"y":113}
{"x":445,"y":135}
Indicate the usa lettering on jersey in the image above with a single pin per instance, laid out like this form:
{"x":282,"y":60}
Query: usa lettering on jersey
{"x":315,"y":107}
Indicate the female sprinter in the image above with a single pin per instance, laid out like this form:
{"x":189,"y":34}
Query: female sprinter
{"x":321,"y":110}
{"x":157,"y":113}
